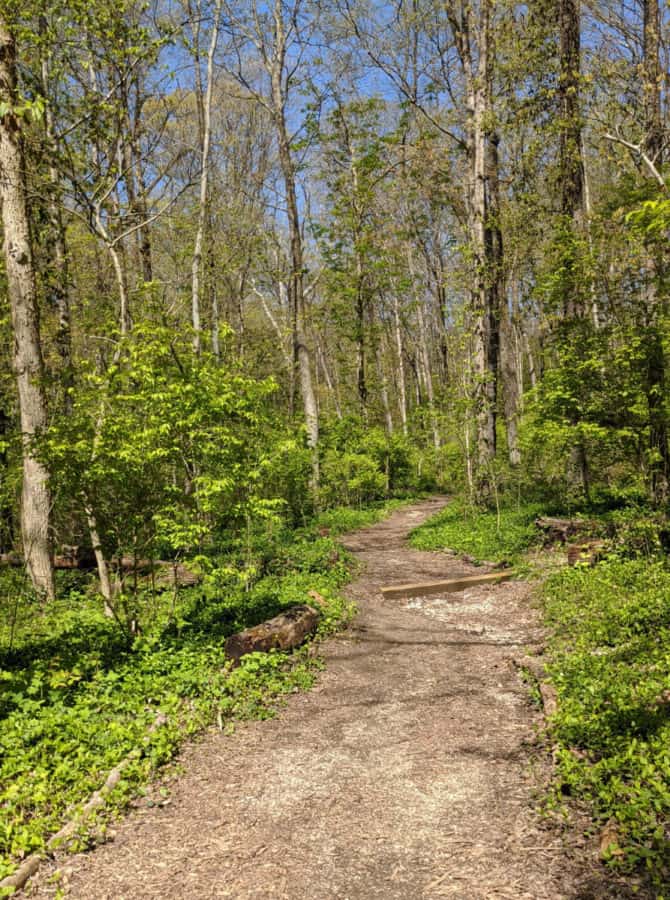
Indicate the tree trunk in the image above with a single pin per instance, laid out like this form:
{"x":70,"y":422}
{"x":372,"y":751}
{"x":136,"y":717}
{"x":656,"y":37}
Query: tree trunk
{"x":58,"y":280}
{"x":402,"y":390}
{"x":383,"y":390}
{"x":28,"y":364}
{"x":486,"y":237}
{"x":570,"y":151}
{"x":206,"y":104}
{"x":296,"y":283}
{"x":655,"y":376}
{"x":510,"y":383}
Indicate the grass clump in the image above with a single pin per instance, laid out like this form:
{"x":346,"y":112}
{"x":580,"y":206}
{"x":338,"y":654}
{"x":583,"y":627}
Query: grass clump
{"x":610,"y":652}
{"x":502,"y":535}
{"x":342,"y":519}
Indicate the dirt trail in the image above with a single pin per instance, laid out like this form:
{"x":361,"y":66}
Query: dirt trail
{"x":404,"y":774}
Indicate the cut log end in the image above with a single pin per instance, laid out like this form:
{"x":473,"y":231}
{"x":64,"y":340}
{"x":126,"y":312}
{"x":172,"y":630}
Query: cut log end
{"x":284,"y":632}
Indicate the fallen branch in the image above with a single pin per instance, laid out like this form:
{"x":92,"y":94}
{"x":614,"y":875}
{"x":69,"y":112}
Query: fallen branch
{"x":537,"y":670}
{"x":562,"y":529}
{"x":31,"y":864}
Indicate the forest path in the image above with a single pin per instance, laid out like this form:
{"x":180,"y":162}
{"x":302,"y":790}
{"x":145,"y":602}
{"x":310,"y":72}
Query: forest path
{"x":404,"y":774}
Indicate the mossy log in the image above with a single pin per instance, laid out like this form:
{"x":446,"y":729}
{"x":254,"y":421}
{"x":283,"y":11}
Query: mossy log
{"x":284,"y":632}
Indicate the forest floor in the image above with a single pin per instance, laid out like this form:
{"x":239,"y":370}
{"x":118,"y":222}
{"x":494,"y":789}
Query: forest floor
{"x":410,"y":771}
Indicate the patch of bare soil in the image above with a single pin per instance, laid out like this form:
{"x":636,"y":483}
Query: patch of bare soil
{"x":406,"y":773}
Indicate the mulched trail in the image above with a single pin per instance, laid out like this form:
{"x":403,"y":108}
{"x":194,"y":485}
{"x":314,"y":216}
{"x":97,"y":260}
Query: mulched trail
{"x":406,"y":773}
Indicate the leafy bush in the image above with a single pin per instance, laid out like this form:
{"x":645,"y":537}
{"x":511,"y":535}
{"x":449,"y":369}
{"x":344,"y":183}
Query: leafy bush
{"x":165,"y":448}
{"x":361,"y":464}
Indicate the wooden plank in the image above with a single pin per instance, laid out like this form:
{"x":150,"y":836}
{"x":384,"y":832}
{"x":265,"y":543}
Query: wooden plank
{"x":428,"y":588}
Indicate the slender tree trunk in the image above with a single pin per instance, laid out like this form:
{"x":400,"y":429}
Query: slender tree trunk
{"x":196,"y":264}
{"x":361,"y":378}
{"x":28,"y":364}
{"x":328,"y":378}
{"x":424,"y":358}
{"x":58,"y":277}
{"x":402,"y":390}
{"x":655,"y":301}
{"x":570,"y":150}
{"x":510,"y":383}
{"x":383,"y":390}
{"x":106,"y":585}
{"x":296,"y":284}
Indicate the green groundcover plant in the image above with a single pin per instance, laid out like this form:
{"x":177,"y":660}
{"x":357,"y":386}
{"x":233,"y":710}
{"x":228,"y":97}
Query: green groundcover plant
{"x":486,"y":535}
{"x":78,"y":694}
{"x":610,"y":651}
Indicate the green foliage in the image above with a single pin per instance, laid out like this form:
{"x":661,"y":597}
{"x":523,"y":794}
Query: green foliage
{"x":362,"y":464}
{"x":166,"y":448}
{"x":341,"y":519}
{"x":486,"y":535}
{"x":592,"y":398}
{"x":611,"y":667}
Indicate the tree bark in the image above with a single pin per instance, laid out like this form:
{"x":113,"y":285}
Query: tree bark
{"x":484,"y":227}
{"x":27,"y":360}
{"x":58,"y":280}
{"x":570,"y":151}
{"x":402,"y":390}
{"x":510,"y":383}
{"x":655,"y":374}
{"x":206,"y":115}
{"x":296,"y":283}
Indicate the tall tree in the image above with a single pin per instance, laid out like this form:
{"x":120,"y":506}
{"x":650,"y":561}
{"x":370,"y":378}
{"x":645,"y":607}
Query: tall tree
{"x":204,"y":101}
{"x":274,"y":35}
{"x":21,"y":280}
{"x":473,"y":35}
{"x":655,"y":362}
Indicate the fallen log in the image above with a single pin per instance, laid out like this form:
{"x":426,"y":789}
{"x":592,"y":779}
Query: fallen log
{"x":430,"y":588}
{"x":161,"y":573}
{"x":559,"y":530}
{"x":286,"y":631}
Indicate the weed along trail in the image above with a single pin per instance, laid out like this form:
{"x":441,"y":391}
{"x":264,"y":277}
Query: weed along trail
{"x":405,"y":773}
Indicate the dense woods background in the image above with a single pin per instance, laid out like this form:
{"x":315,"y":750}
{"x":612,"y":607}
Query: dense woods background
{"x":266,"y":257}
